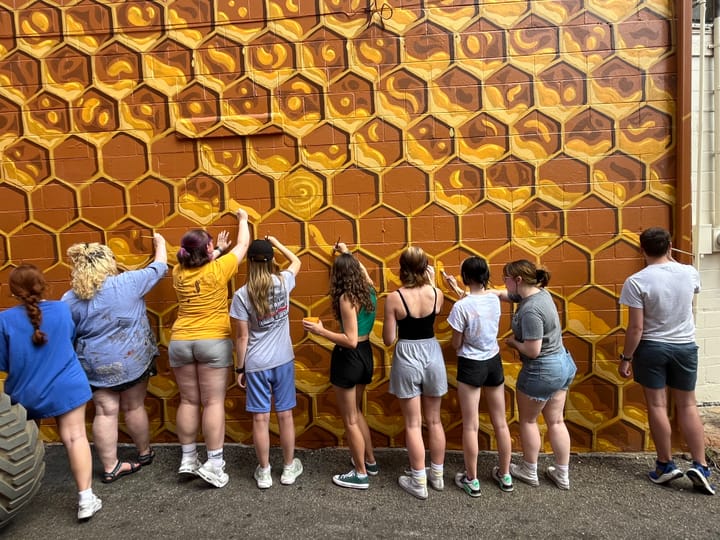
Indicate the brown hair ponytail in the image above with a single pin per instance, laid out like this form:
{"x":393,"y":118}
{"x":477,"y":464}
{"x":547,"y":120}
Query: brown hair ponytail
{"x":27,"y":283}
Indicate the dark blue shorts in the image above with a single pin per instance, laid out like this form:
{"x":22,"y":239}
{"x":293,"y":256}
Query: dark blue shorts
{"x":657,"y":365}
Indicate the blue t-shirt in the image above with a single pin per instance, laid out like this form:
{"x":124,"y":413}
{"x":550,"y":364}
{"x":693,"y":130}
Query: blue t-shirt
{"x":113,"y":338}
{"x":45,"y":379}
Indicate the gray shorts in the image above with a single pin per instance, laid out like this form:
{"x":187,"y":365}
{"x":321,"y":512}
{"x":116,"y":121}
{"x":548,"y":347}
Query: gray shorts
{"x":418,"y":368}
{"x":215,"y":353}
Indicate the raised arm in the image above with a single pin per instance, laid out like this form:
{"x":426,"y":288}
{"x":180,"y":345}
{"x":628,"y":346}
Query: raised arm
{"x":160,"y":248}
{"x":289,"y":255}
{"x":341,"y":247}
{"x":243,"y":237}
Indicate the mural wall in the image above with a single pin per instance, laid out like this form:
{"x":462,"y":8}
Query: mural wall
{"x":507,"y":129}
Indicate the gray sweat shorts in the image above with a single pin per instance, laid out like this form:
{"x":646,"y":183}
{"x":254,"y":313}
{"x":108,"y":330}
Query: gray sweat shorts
{"x":418,"y":368}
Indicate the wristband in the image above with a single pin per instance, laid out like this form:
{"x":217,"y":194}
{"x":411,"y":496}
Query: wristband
{"x":240,"y":370}
{"x":624,"y":358}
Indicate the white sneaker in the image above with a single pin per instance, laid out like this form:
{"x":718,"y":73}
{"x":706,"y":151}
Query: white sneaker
{"x":416,"y":488}
{"x":189,"y":466}
{"x":263,"y":478}
{"x":291,"y":472}
{"x":435,"y":479}
{"x":215,"y":476}
{"x":521,"y":472}
{"x":561,"y":480}
{"x":87,"y":509}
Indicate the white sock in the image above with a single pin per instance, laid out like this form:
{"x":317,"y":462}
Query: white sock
{"x":85,"y":495}
{"x":189,"y":451}
{"x":530,"y":467}
{"x":563,"y":470}
{"x":437,"y":469}
{"x":265,"y":469}
{"x":215,"y":457}
{"x":418,"y":475}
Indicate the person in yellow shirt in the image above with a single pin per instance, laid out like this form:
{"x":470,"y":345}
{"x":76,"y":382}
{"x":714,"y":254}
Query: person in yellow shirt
{"x":200,"y":350}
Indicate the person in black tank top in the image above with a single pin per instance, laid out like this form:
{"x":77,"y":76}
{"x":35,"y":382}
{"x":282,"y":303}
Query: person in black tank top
{"x":418,"y":376}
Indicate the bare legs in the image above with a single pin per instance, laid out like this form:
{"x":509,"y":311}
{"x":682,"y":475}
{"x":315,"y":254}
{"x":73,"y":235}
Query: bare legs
{"x":553,"y":412}
{"x":347,"y":403}
{"x":71,"y":426}
{"x":201,"y":385}
{"x":412,"y":413}
{"x":261,"y":437}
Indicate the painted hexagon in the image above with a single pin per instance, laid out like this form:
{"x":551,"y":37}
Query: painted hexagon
{"x":7,"y":36}
{"x":620,"y":436}
{"x":535,"y":136}
{"x":78,"y":231}
{"x":386,"y":231}
{"x":116,"y":154}
{"x":378,"y":144}
{"x":273,"y":155}
{"x":201,"y":198}
{"x":10,"y":119}
{"x":219,"y":62}
{"x":620,"y":254}
{"x":222,"y":153}
{"x":580,"y":349}
{"x":456,"y":91}
{"x":270,"y":59}
{"x":647,"y":35}
{"x":373,"y":48}
{"x":151,"y":200}
{"x":198,"y":110}
{"x":483,"y":139}
{"x":173,"y":158}
{"x":20,"y":74}
{"x":68,"y":71}
{"x":561,"y":85}
{"x":427,"y":48}
{"x":589,"y":38}
{"x":510,"y":182}
{"x":509,"y":89}
{"x":504,"y":14}
{"x":42,"y":251}
{"x":354,"y":190}
{"x":103,"y":202}
{"x":95,"y":112}
{"x":592,"y":313}
{"x":538,"y":225}
{"x":405,"y":188}
{"x":40,"y":27}
{"x":25,"y":164}
{"x":324,"y":53}
{"x":117,"y":67}
{"x":127,"y":243}
{"x":482,"y":46}
{"x":190,"y":20}
{"x":589,"y":133}
{"x":293,"y":19}
{"x":243,"y":21}
{"x":604,"y":85}
{"x":76,"y":160}
{"x":402,"y":96}
{"x":569,"y":264}
{"x":47,"y":113}
{"x":53,"y":204}
{"x":13,"y":208}
{"x":301,"y":193}
{"x":485,"y":229}
{"x":434,"y":228}
{"x":171,"y":64}
{"x":252,"y":186}
{"x":619,"y":177}
{"x":458,"y":185}
{"x":593,"y":222}
{"x":140,"y":23}
{"x":326,"y":227}
{"x":246,"y":106}
{"x":563,"y":180}
{"x":638,"y":213}
{"x":533,"y":42}
{"x":89,"y":25}
{"x":146,"y":110}
{"x":646,"y":131}
{"x":428,"y":143}
{"x":301,"y":102}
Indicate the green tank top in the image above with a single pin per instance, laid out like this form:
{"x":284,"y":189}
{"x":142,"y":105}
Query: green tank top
{"x":366,"y":319}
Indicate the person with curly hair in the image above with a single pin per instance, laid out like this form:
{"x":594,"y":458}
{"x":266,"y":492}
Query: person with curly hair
{"x":417,"y":377}
{"x":261,"y":309}
{"x":354,"y":302}
{"x":44,"y":374}
{"x":116,"y":346}
{"x":201,"y":350}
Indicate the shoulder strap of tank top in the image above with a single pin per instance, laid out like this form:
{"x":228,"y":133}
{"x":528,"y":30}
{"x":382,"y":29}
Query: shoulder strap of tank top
{"x":434,"y":301}
{"x":402,"y":299}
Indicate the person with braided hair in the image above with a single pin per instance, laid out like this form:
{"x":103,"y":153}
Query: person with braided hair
{"x":116,"y":346}
{"x":44,"y":374}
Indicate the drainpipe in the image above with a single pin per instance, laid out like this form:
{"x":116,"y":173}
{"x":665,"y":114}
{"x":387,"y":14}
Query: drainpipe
{"x":697,"y":231}
{"x":715,"y":187}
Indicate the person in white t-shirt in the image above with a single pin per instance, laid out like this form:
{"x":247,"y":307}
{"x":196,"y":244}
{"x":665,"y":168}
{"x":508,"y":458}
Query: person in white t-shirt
{"x":265,"y":357}
{"x":475,"y":319}
{"x":660,"y":343}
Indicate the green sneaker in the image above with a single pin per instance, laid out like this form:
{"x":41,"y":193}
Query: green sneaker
{"x":504,"y":480}
{"x":351,"y":480}
{"x":471,"y":487}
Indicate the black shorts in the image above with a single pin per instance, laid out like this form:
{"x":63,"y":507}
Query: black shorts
{"x":151,"y":371}
{"x":479,"y":373}
{"x":349,"y":367}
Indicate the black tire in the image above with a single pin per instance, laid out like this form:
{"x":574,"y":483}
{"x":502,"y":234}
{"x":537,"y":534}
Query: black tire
{"x":22,"y":459}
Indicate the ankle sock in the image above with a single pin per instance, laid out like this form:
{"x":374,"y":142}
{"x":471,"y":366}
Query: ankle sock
{"x":418,"y":475}
{"x":85,"y":495}
{"x":215,"y":457}
{"x":437,"y":469}
{"x":189,"y":451}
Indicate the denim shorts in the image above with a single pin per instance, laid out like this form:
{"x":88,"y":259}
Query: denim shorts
{"x":657,"y":364}
{"x":276,"y":384}
{"x":542,"y":377}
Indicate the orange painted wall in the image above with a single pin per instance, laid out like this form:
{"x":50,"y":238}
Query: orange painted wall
{"x":509,"y":129}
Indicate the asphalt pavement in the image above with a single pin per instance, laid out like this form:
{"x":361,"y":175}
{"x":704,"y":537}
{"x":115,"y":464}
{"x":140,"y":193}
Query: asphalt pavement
{"x":610,"y":497}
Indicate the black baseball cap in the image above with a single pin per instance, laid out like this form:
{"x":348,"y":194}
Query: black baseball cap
{"x":260,"y":251}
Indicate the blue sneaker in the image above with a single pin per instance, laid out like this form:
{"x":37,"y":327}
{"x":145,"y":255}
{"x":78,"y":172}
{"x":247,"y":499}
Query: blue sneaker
{"x":699,"y":475}
{"x":664,"y":472}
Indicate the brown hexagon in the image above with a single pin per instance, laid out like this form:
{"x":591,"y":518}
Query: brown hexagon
{"x":561,"y":85}
{"x":646,"y":31}
{"x":252,"y":186}
{"x":614,"y":263}
{"x":646,"y":131}
{"x":301,"y":193}
{"x":47,"y":113}
{"x":173,"y":158}
{"x":581,"y":437}
{"x":372,"y":49}
{"x":456,"y":91}
{"x":13,"y":208}
{"x":102,"y":202}
{"x":69,"y":70}
{"x":378,"y":144}
{"x":192,"y":20}
{"x":88,"y":24}
{"x":506,"y":15}
{"x":638,"y":213}
{"x":592,"y":312}
{"x":301,"y":103}
{"x":139,"y":24}
{"x":201,"y":198}
{"x":219,"y":62}
{"x":7,"y":31}
{"x":590,"y":38}
{"x":198,"y":109}
{"x":534,"y":42}
{"x":295,"y":19}
{"x":510,"y":182}
{"x":580,"y":349}
{"x":405,"y":188}
{"x":41,"y":251}
{"x":605,"y":86}
{"x":483,"y":139}
{"x":117,"y":67}
{"x":458,"y":185}
{"x":354,"y":190}
{"x":403,"y":95}
{"x":434,"y":228}
{"x":350,"y":99}
{"x":589,"y":133}
{"x":78,"y":231}
{"x":485,"y":228}
{"x":620,"y":436}
{"x":151,"y":200}
{"x":10,"y":119}
{"x":427,"y":48}
{"x":618,"y":177}
{"x":538,"y":225}
{"x":127,"y":243}
{"x":387,"y":228}
{"x":563,"y":180}
{"x":95,"y":112}
{"x":569,"y":265}
{"x":273,"y":154}
{"x":509,"y":89}
{"x":535,"y":136}
{"x":428,"y":143}
{"x":482,"y":46}
{"x":326,"y":227}
{"x":270,"y":58}
{"x":75,"y":160}
{"x":592,"y":222}
{"x":40,"y":27}
{"x":124,"y":158}
{"x":246,"y":104}
{"x":20,"y":74}
{"x":146,"y":110}
{"x":223,"y":153}
{"x":26,"y":164}
{"x":53,"y":204}
{"x":242,"y":21}
{"x":172,"y":65}
{"x":324,"y":52}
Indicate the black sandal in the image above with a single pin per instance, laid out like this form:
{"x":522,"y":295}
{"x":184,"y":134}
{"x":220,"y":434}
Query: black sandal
{"x":117,"y":472}
{"x":146,"y":459}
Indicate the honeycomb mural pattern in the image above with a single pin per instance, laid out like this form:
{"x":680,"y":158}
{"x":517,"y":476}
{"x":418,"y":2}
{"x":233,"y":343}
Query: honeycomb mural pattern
{"x":504,"y":128}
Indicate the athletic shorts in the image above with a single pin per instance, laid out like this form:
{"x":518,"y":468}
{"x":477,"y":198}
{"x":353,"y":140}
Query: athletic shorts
{"x":349,"y":367}
{"x":656,"y":365}
{"x":479,"y":373}
{"x":542,"y":377}
{"x":263,"y":386}
{"x":418,"y":368}
{"x":215,"y":353}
